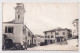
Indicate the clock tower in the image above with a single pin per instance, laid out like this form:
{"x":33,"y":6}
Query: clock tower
{"x":19,"y":13}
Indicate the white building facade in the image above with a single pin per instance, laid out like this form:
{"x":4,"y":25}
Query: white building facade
{"x":15,"y":32}
{"x":57,"y":35}
{"x":76,"y":28}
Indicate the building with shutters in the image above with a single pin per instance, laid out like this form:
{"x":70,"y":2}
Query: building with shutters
{"x":57,"y":35}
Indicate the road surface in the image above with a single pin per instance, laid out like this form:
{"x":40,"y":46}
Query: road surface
{"x":70,"y":46}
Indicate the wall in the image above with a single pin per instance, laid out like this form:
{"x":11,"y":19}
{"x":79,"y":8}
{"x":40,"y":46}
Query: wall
{"x":49,"y":34}
{"x":60,"y":34}
{"x":17,"y":32}
{"x":39,"y":40}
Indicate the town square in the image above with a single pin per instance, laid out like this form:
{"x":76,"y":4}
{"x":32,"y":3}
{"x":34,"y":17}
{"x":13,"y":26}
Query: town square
{"x":40,"y":26}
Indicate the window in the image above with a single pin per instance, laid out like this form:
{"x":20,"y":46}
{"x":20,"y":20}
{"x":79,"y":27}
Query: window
{"x":57,"y":33}
{"x":51,"y":36}
{"x":63,"y":33}
{"x":24,"y":30}
{"x":5,"y":29}
{"x":8,"y":29}
{"x":45,"y":36}
{"x":45,"y":32}
{"x":29,"y":34}
{"x":48,"y":37}
{"x":18,"y":16}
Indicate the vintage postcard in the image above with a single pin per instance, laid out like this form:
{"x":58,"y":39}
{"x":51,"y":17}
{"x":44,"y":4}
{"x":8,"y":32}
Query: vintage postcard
{"x":40,"y":26}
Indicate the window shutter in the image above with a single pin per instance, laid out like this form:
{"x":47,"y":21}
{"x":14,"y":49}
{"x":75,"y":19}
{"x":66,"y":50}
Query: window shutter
{"x":11,"y":29}
{"x":5,"y":29}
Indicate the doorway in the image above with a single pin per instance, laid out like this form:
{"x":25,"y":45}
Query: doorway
{"x":8,"y":43}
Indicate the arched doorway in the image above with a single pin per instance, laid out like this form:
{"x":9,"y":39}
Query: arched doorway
{"x":8,"y":43}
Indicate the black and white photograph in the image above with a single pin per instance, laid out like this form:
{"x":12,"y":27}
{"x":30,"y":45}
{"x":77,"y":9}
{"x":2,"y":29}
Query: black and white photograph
{"x":40,"y":26}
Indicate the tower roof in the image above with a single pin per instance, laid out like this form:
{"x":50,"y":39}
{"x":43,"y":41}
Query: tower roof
{"x":20,"y":4}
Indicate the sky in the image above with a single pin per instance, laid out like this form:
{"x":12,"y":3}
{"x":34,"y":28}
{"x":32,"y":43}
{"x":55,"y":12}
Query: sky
{"x":44,"y":16}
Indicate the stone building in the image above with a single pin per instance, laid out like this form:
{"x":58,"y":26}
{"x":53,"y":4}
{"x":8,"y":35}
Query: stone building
{"x":57,"y":35}
{"x":76,"y":28}
{"x":15,"y":32}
